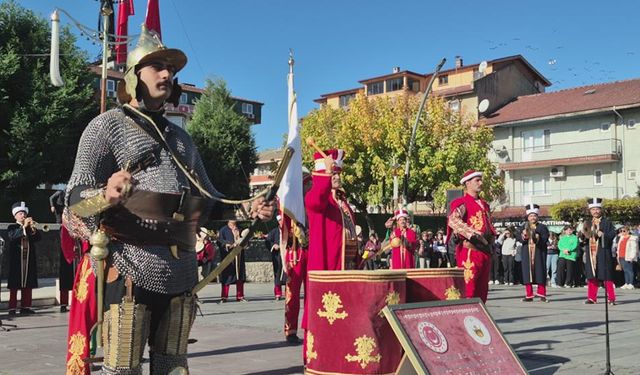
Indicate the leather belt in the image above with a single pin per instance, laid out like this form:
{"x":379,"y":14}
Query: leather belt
{"x":156,"y":219}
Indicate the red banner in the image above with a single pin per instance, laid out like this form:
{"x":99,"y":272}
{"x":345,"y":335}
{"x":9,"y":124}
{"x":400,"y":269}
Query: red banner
{"x":124,"y":11}
{"x":152,"y":20}
{"x":82,"y":319}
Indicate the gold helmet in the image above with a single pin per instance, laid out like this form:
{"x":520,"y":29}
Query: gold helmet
{"x":149,"y":48}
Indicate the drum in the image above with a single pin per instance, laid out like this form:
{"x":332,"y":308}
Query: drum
{"x":346,"y":330}
{"x":435,"y":284}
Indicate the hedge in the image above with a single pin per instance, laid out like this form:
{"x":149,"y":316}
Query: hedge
{"x":626,"y":211}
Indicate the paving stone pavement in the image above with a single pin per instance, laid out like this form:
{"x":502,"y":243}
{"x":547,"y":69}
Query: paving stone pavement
{"x":560,"y":337}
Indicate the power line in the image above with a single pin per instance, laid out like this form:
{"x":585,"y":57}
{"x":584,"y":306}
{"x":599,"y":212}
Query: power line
{"x":184,"y":30}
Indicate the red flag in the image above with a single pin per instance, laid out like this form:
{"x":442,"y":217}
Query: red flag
{"x":152,"y":20}
{"x":124,"y":11}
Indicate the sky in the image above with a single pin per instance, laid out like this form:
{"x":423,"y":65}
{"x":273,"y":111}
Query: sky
{"x":337,"y":43}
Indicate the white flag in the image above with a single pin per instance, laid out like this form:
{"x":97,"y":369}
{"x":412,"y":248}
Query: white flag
{"x":290,"y":191}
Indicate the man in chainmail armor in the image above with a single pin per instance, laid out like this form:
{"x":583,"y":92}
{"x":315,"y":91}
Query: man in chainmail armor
{"x":150,"y":174}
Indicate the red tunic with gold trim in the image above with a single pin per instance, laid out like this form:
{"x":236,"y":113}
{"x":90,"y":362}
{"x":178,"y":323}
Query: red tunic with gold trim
{"x":469,"y":216}
{"x":402,"y":256}
{"x":329,"y":218}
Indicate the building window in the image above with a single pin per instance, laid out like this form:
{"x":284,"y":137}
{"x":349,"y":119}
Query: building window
{"x":345,"y":99}
{"x":535,"y":186}
{"x":632,"y":174}
{"x":183,"y":98}
{"x":111,"y":88}
{"x":394,"y":84}
{"x":413,"y":84}
{"x":631,"y":124}
{"x":375,"y":88}
{"x":536,"y":140}
{"x":247,"y":108}
{"x":604,"y":127}
{"x":454,"y":105}
{"x":597,"y":176}
{"x":443,"y":80}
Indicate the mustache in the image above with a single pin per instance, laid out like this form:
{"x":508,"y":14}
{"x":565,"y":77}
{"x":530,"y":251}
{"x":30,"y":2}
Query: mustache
{"x":167,"y":83}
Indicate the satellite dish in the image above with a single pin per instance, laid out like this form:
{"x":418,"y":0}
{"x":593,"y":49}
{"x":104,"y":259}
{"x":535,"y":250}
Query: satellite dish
{"x":483,"y":106}
{"x":482,"y":67}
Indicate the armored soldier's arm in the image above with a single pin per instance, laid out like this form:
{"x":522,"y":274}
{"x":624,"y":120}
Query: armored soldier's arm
{"x":95,"y":161}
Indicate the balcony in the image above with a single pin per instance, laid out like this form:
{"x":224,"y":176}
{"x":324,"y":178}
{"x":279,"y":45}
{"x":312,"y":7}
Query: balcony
{"x":573,"y":153}
{"x":550,"y":197}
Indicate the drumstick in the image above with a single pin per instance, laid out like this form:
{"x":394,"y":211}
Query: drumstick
{"x":395,"y":242}
{"x":313,"y":144}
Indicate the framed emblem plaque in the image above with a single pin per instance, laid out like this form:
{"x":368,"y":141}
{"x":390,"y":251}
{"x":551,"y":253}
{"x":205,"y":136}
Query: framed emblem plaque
{"x":451,"y":337}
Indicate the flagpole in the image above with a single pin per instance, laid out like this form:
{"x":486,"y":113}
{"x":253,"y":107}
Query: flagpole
{"x":106,"y":12}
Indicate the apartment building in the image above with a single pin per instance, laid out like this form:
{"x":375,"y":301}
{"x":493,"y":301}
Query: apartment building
{"x":569,"y":144}
{"x":496,"y":82}
{"x":266,"y":165}
{"x":183,"y":112}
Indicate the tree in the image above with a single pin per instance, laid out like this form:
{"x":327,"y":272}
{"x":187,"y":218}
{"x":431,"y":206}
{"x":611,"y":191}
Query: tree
{"x":224,"y":140}
{"x":40,"y":124}
{"x":375,"y":131}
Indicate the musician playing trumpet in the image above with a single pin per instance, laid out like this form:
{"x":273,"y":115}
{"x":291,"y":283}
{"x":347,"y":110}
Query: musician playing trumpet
{"x":600,"y":262}
{"x":534,"y":237}
{"x":23,"y":274}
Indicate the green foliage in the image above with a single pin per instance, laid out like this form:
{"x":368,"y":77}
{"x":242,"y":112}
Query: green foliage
{"x":40,"y":124}
{"x":569,"y":210}
{"x":224,"y":140}
{"x":618,"y":210}
{"x":376,"y":131}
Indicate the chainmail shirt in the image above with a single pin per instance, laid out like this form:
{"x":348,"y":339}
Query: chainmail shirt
{"x":108,"y":144}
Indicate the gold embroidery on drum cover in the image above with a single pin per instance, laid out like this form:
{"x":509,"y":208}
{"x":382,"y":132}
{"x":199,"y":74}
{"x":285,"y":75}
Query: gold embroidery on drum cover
{"x":365,"y":346}
{"x":75,"y":364}
{"x":476,"y":221}
{"x":332,"y":303}
{"x":311,"y":354}
{"x":393,"y":298}
{"x":452,"y":293}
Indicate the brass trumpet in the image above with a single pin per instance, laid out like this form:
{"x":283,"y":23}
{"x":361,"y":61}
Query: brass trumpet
{"x":29,"y":222}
